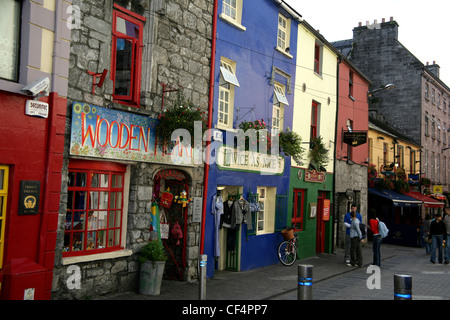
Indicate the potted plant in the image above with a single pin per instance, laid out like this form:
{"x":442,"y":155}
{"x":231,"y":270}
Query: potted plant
{"x":182,"y":116}
{"x":152,"y":261}
{"x":319,"y":154}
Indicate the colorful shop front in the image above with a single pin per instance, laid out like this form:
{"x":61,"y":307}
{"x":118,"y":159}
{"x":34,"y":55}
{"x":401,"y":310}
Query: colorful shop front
{"x":121,"y":188}
{"x":237,"y":187}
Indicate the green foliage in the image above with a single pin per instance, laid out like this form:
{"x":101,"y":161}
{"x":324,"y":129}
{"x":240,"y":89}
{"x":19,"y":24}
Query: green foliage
{"x":290,"y":143}
{"x":152,"y":251}
{"x":318,"y":154}
{"x":181,"y":116}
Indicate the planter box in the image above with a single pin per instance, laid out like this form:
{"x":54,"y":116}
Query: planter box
{"x":151,"y":275}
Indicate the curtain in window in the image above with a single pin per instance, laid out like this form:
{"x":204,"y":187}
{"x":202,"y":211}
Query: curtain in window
{"x":9,"y":39}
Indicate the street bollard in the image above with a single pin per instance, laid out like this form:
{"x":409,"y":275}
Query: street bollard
{"x":402,"y":287}
{"x":305,"y":282}
{"x":202,"y":276}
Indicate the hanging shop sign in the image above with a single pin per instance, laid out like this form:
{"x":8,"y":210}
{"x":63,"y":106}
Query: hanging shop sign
{"x":29,"y":197}
{"x":355,"y":138}
{"x":229,"y":158}
{"x":314,"y":176}
{"x":107,"y":133}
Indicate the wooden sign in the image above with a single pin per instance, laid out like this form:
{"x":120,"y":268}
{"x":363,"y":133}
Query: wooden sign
{"x":29,"y":197}
{"x":314,"y":176}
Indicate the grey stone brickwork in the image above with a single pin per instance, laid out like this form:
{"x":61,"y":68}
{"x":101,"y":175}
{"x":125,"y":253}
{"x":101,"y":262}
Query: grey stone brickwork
{"x":376,"y":51}
{"x":177,"y":51}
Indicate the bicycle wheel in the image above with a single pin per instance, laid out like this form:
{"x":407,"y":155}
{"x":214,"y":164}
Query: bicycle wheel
{"x":287,"y":253}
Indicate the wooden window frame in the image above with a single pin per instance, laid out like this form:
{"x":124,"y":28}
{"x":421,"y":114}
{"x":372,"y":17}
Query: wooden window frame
{"x":90,"y":168}
{"x":133,"y":98}
{"x":314,"y":120}
{"x":317,"y":55}
{"x":3,"y":207}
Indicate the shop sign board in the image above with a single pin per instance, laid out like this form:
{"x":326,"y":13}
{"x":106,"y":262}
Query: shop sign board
{"x":29,"y":197}
{"x":355,"y":138}
{"x":229,"y":158}
{"x":112,"y":134}
{"x":314,"y":176}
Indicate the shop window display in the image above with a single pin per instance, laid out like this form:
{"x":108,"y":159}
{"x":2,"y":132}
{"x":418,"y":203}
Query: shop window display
{"x":94,"y":211}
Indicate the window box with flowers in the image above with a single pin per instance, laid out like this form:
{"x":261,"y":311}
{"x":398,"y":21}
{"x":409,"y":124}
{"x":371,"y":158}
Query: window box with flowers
{"x":183,"y":115}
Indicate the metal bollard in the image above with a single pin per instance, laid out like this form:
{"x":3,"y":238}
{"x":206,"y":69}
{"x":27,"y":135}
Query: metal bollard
{"x":305,"y":282}
{"x":202,"y":277}
{"x":402,"y":287}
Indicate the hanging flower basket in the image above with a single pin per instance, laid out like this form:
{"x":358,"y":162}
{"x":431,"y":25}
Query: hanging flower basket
{"x":183,"y":115}
{"x":256,"y":125}
{"x":319,"y":154}
{"x":291,"y":144}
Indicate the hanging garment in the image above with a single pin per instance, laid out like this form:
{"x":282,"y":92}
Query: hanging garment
{"x":217,"y":211}
{"x":242,"y":213}
{"x":154,"y":219}
{"x":177,"y":233}
{"x":227,"y":214}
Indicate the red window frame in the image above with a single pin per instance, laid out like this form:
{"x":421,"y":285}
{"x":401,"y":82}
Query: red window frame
{"x":317,"y":59}
{"x":133,"y":98}
{"x":298,"y":209}
{"x":313,"y":132}
{"x":350,"y":84}
{"x":84,"y":232}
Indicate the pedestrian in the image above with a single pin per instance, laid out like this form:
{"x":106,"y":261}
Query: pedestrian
{"x":426,"y":233}
{"x":347,"y":223}
{"x":356,"y":239}
{"x":447,"y":230}
{"x":438,"y":234}
{"x":373,"y":226}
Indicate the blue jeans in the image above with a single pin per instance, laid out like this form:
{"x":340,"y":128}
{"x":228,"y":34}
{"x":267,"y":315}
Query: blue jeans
{"x":437,"y":244}
{"x":376,"y":250}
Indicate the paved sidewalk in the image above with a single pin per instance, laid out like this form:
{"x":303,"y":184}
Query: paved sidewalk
{"x":332,"y":279}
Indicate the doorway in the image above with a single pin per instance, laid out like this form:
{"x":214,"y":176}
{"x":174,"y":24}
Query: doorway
{"x":320,"y":230}
{"x":175,"y":182}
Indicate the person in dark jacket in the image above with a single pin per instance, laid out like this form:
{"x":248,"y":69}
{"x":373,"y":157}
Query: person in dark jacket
{"x":438,"y":234}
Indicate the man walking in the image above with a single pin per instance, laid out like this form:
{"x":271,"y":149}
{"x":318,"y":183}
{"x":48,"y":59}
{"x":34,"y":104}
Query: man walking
{"x":438,"y":234}
{"x":347,"y":223}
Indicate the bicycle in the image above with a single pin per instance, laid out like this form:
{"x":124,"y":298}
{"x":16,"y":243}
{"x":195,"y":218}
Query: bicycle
{"x":287,"y":250}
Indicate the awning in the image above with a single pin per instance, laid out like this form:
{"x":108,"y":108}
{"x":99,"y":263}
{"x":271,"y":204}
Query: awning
{"x":398,"y":199}
{"x":427,"y":201}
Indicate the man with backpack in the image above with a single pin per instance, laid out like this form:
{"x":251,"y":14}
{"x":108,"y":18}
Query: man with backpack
{"x":378,"y":235}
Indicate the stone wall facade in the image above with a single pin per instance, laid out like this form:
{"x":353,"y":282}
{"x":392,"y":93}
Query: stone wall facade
{"x":176,"y":53}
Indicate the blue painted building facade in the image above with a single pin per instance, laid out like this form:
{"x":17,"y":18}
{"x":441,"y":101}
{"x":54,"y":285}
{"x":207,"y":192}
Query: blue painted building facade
{"x":255,"y":63}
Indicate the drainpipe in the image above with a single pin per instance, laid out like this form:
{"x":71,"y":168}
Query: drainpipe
{"x":210,"y":111}
{"x":334,"y":229}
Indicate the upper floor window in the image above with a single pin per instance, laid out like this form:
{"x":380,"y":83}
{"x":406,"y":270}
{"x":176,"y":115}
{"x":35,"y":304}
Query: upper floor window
{"x":427,"y":125}
{"x":427,"y":89}
{"x":232,"y":12}
{"x":278,"y":107}
{"x":10,"y":18}
{"x":227,"y":83}
{"x":127,"y":55}
{"x":433,"y":96}
{"x":318,"y":49}
{"x":314,"y":120}
{"x":283,"y":37}
{"x":350,"y":84}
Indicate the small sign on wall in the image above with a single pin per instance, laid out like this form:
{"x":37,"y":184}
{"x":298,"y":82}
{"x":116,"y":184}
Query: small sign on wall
{"x":29,"y":197}
{"x":197,"y":209}
{"x":36,"y":108}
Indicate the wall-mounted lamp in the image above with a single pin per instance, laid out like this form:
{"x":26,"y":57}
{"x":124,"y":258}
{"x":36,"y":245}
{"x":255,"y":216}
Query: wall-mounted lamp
{"x":380,"y":137}
{"x":386,"y":87}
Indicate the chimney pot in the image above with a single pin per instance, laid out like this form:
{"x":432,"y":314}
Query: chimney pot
{"x":383,"y":20}
{"x":392,"y":19}
{"x":359,"y":24}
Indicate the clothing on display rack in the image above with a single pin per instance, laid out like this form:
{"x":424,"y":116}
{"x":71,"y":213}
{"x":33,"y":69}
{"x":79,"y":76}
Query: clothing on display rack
{"x":242,"y":213}
{"x":217,"y":211}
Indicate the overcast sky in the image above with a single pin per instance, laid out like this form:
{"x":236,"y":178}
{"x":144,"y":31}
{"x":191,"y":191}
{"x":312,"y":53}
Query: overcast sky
{"x":423,"y":25}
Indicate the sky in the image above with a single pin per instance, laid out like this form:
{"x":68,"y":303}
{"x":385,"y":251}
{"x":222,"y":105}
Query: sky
{"x":423,"y":25}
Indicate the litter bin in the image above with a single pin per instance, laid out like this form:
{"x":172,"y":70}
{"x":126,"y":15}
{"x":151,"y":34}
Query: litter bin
{"x":23,"y":279}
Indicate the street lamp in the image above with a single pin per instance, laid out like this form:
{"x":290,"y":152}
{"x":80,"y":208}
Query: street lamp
{"x":386,"y":87}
